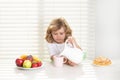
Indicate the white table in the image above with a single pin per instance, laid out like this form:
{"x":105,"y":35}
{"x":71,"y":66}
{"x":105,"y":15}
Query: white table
{"x":85,"y":71}
{"x":111,"y":72}
{"x":9,"y":71}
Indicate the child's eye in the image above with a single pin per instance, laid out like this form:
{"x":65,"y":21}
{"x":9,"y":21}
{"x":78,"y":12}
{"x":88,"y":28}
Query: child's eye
{"x":55,"y":34}
{"x":61,"y":33}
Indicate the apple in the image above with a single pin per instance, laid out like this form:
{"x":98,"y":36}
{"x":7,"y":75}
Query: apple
{"x":34,"y":65}
{"x":39,"y":64}
{"x":27,"y":64}
{"x":19,"y":62}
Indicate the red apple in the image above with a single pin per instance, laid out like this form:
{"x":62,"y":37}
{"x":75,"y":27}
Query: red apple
{"x":34,"y":65}
{"x":39,"y":63}
{"x":19,"y":62}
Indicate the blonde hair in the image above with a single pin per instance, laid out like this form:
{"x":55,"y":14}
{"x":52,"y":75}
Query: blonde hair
{"x":55,"y":25}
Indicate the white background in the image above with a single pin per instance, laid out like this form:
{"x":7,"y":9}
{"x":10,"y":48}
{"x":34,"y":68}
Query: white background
{"x":108,"y":28}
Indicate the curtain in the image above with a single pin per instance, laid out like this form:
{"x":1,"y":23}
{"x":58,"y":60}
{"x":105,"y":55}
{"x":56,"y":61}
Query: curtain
{"x":23,"y":24}
{"x":19,"y":28}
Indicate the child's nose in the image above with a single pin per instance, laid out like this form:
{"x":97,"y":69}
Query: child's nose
{"x":58,"y":36}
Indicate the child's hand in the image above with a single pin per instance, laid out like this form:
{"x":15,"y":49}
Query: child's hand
{"x":72,"y":41}
{"x":71,"y":63}
{"x":68,"y":62}
{"x":65,"y":60}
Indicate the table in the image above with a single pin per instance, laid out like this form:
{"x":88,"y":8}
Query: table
{"x":84,"y":71}
{"x":111,"y":72}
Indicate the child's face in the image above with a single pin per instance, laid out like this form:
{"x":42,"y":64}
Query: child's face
{"x":59,"y":35}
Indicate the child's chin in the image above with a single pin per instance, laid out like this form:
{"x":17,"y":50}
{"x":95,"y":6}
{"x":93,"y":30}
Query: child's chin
{"x":59,"y":42}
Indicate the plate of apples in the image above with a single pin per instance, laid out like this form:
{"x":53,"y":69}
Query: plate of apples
{"x":28,"y":62}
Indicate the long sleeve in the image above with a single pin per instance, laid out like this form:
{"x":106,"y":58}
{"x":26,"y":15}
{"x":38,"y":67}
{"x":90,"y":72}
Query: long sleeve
{"x":55,"y":49}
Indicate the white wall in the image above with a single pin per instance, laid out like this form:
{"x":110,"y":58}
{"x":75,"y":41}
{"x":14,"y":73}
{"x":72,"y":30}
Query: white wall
{"x":108,"y":28}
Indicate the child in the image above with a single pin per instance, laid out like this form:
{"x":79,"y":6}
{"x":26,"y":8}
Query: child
{"x":57,"y":33}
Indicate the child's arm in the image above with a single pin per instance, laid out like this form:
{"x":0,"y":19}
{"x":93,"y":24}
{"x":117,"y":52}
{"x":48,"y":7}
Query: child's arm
{"x":51,"y":50}
{"x":73,"y":42}
{"x":71,"y":63}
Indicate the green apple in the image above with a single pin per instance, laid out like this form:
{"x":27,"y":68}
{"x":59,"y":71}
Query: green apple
{"x":27,"y":64}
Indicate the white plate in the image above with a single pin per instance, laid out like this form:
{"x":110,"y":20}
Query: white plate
{"x":30,"y":68}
